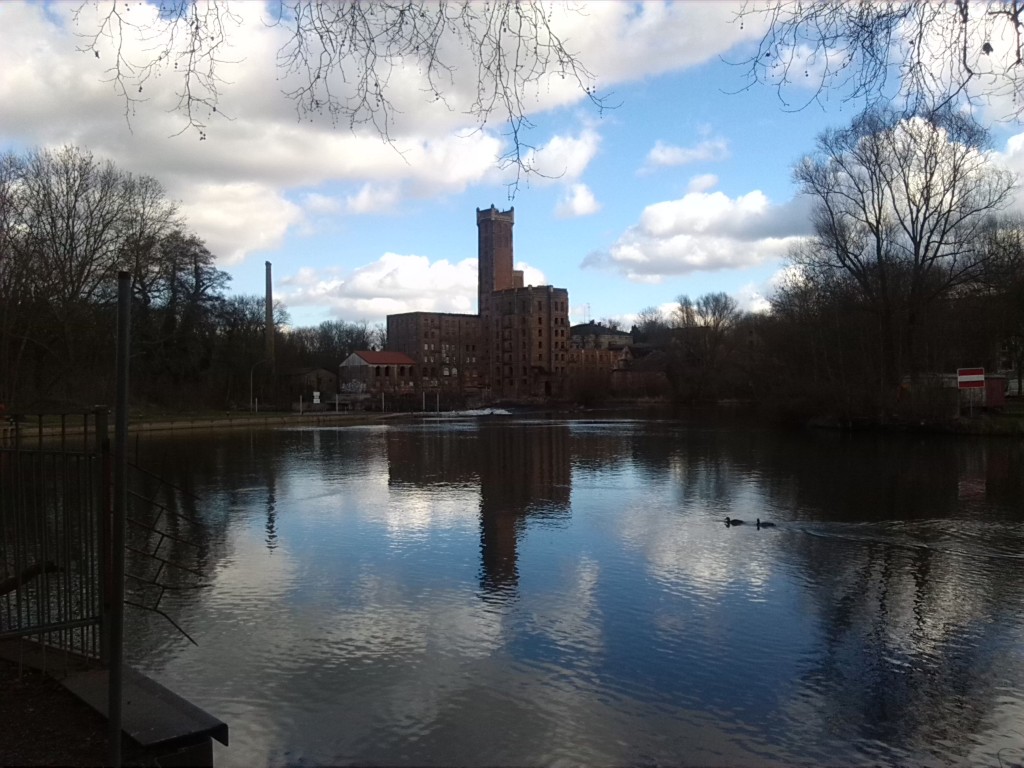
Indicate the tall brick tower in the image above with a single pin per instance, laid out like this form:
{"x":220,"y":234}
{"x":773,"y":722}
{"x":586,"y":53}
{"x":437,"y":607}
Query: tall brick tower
{"x":494,"y":253}
{"x":494,"y":273}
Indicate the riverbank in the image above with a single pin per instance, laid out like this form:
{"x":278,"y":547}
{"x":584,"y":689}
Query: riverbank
{"x":50,"y":426}
{"x":981,"y":424}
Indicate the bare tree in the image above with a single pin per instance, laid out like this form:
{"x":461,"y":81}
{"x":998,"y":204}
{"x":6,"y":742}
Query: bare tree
{"x":900,"y":206}
{"x":705,"y":328}
{"x":651,"y":327}
{"x":339,"y":58}
{"x":922,"y":53}
{"x":69,"y":224}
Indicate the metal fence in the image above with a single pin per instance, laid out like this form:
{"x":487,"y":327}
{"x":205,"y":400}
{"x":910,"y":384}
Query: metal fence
{"x":54,"y":533}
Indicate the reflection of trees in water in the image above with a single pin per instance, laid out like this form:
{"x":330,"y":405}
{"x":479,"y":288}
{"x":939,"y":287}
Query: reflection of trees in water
{"x":208,"y":480}
{"x":914,"y":591}
{"x":271,"y":518}
{"x":914,"y":646}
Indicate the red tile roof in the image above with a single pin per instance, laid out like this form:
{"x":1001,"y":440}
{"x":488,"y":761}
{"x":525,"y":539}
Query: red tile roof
{"x":385,"y":358}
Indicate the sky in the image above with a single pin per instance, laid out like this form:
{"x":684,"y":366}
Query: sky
{"x":682,"y":186}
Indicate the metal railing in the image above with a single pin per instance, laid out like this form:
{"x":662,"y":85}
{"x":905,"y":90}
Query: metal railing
{"x":54,"y":537}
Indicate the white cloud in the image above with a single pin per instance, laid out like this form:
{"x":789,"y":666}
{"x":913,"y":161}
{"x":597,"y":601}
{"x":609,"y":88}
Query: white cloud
{"x":752,"y":297}
{"x":702,"y":183}
{"x":236,"y":186}
{"x":577,"y":201}
{"x":393,"y":284}
{"x":372,"y":199}
{"x":664,"y":155}
{"x":627,"y":41}
{"x":236,"y":219}
{"x":314,"y":202}
{"x":564,"y":158}
{"x":531,"y":275}
{"x":705,"y":231}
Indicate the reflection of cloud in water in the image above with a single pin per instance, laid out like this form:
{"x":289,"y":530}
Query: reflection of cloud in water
{"x":416,"y":510}
{"x":571,"y":617}
{"x":251,"y":572}
{"x":249,"y":581}
{"x":699,"y":555}
{"x":389,"y":622}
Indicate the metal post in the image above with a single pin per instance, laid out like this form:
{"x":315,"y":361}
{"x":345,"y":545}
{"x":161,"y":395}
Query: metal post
{"x":103,"y":510}
{"x":251,"y":370}
{"x":115,"y":671}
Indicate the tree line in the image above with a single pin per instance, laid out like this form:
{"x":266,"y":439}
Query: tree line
{"x":914,"y":268}
{"x":68,"y":224}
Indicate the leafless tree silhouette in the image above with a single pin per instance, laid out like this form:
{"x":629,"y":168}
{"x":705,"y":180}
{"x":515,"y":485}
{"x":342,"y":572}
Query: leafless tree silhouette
{"x":922,"y":54}
{"x":340,"y":60}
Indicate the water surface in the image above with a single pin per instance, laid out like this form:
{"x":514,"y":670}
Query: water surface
{"x":509,"y":591}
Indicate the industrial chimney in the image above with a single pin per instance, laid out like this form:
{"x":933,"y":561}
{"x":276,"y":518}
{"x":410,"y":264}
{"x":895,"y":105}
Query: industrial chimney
{"x":269,"y":327}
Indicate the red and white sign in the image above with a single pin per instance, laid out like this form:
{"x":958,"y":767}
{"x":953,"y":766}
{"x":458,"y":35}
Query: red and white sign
{"x":970,"y":378}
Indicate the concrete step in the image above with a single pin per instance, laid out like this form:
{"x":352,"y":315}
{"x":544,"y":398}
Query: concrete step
{"x":150,"y":713}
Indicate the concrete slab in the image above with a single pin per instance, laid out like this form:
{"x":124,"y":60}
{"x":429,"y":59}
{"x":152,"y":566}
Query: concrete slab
{"x":151,"y":713}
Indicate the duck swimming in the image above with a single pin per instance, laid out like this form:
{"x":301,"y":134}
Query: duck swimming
{"x":765,"y":524}
{"x":730,"y":521}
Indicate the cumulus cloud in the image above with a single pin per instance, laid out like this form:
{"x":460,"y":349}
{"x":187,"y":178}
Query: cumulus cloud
{"x":705,"y":231}
{"x":627,"y":41}
{"x":577,"y":201}
{"x":393,"y":284}
{"x":261,"y":172}
{"x":664,"y":155}
{"x":564,"y":158}
{"x":702,"y":183}
{"x":236,"y":219}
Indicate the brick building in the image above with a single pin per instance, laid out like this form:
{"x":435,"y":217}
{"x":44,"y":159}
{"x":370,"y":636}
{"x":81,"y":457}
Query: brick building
{"x":514,"y":348}
{"x":445,"y":346}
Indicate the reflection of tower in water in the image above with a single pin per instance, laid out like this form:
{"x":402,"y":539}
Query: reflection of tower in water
{"x":524,"y":471}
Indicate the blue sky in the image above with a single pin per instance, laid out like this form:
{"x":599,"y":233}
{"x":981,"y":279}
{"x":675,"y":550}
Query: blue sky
{"x":684,"y":187}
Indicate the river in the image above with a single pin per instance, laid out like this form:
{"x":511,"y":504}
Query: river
{"x":545,"y":591}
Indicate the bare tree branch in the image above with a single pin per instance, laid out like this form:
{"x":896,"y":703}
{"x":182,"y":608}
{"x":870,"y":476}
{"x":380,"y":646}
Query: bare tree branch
{"x":340,"y":60}
{"x":922,"y":54}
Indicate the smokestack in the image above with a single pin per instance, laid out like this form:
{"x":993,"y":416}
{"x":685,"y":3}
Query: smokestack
{"x":269,"y":328}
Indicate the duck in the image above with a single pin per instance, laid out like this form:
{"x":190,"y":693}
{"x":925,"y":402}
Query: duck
{"x":765,"y":524}
{"x":731,"y":521}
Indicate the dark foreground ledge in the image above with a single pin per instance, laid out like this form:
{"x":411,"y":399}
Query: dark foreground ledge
{"x":165,"y":729}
